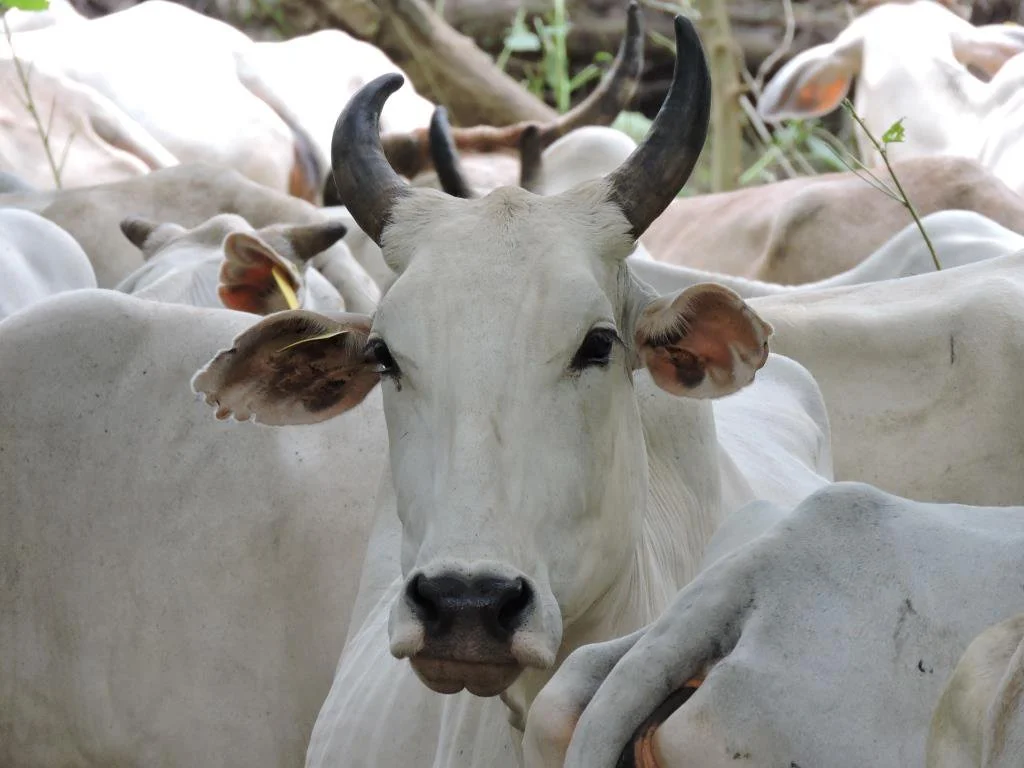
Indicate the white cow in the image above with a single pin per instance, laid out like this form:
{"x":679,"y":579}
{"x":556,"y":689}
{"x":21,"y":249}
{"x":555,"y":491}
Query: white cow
{"x":979,"y":720}
{"x":910,"y":61}
{"x":225,"y":262}
{"x":959,"y":238}
{"x":187,"y":195}
{"x":194,"y":104}
{"x":174,"y":592}
{"x":285,"y":75}
{"x":91,"y":139}
{"x":37,"y":259}
{"x":825,"y":642}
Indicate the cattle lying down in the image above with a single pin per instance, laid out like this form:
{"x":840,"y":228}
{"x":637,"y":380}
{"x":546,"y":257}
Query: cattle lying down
{"x":187,"y":195}
{"x":283,"y":75}
{"x":959,"y":238}
{"x":910,"y":62}
{"x":979,"y":720}
{"x":813,"y":228}
{"x":92,"y":140}
{"x":176,"y":593}
{"x":825,"y":642}
{"x":37,"y":259}
{"x":919,"y":376}
{"x":224,"y":262}
{"x":195,"y":105}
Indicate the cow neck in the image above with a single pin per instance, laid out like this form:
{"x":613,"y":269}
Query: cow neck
{"x":681,"y":510}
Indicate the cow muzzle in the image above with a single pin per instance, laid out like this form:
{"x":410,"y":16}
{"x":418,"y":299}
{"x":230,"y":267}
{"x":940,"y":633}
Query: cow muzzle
{"x":476,"y":631}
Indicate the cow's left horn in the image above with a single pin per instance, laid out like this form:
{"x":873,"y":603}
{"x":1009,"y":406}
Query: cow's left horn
{"x":367,"y":184}
{"x":446,"y":157}
{"x":650,"y":178}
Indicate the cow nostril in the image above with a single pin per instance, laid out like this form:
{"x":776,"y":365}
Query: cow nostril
{"x":512,"y":604}
{"x":423,"y":599}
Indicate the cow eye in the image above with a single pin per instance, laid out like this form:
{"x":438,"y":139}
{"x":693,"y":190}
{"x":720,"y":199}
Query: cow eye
{"x":595,"y":350}
{"x":386,"y":365}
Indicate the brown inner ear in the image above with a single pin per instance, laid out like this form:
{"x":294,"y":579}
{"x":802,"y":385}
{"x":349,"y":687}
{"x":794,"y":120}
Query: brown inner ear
{"x":252,"y":288}
{"x":321,"y":374}
{"x":247,"y":276}
{"x":816,"y":95}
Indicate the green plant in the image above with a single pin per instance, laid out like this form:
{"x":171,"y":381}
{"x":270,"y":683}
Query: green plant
{"x":24,"y":75}
{"x":895,"y":134}
{"x":548,"y":37}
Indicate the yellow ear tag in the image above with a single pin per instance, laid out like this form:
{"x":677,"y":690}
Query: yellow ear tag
{"x":318,"y":337}
{"x":289,"y":295}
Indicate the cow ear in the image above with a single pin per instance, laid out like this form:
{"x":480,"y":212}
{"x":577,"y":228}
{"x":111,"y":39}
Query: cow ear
{"x":256,"y":278}
{"x":147,"y":235}
{"x":294,"y":367}
{"x":987,"y":47}
{"x":702,"y":342}
{"x":812,"y":83}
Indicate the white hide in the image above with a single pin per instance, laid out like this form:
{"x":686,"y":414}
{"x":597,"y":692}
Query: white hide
{"x":176,"y":589}
{"x":37,"y":259}
{"x":294,"y":71}
{"x":58,"y":11}
{"x":194,"y":104}
{"x":91,"y":139}
{"x":979,"y":720}
{"x":959,"y":238}
{"x":185,"y":268}
{"x":187,"y":195}
{"x":831,"y":637}
{"x":910,"y":61}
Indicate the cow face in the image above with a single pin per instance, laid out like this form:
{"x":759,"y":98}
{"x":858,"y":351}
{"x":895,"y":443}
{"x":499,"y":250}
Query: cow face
{"x":506,"y":349}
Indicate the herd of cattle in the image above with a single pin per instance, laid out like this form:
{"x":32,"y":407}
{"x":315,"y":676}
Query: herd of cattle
{"x":569,"y":470}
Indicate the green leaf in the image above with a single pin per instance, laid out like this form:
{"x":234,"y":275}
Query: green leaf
{"x":520,"y":40}
{"x":896,"y":133}
{"x":26,"y":5}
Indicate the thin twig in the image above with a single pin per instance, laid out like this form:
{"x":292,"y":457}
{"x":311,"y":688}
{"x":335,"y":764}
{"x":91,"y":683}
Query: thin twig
{"x":903,"y":195}
{"x":787,"y":43}
{"x":30,"y":104}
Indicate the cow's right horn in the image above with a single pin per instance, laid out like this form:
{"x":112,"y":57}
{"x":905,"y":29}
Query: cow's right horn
{"x":650,"y":178}
{"x":366,"y":182}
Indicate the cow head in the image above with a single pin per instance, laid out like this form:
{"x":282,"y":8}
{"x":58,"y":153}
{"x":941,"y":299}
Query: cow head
{"x":506,"y":350}
{"x":906,"y":57}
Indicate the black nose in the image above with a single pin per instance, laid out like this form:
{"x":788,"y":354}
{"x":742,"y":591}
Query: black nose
{"x":497,"y":605}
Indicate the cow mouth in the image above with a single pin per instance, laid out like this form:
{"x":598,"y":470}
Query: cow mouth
{"x":450,"y":676}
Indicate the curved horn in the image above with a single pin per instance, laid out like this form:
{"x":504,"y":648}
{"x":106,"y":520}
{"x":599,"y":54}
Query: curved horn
{"x":446,"y":157}
{"x":409,"y":153}
{"x":653,"y":174}
{"x":366,"y":183}
{"x":531,"y":159}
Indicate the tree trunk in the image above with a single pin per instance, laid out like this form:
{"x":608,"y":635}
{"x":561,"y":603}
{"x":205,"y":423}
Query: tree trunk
{"x":445,"y":66}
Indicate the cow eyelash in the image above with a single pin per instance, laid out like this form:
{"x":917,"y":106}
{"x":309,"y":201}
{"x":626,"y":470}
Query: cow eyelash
{"x":386,"y":365}
{"x":596,"y":349}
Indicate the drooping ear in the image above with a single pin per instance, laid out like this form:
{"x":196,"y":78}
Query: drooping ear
{"x":294,"y":367}
{"x":255,"y":278}
{"x":987,"y":47}
{"x":148,"y":235}
{"x":814,"y":82}
{"x":702,"y":342}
